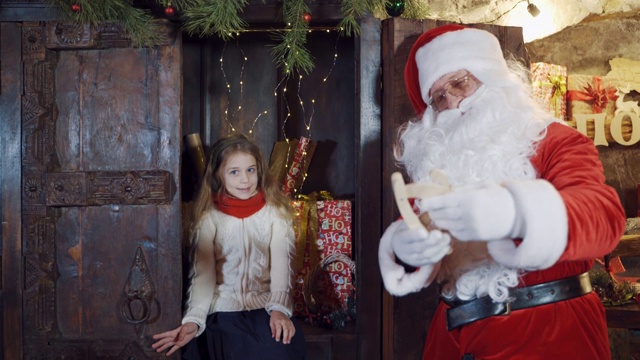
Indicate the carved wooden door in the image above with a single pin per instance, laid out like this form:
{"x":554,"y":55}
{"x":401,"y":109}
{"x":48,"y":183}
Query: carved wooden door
{"x":406,"y":319}
{"x":101,"y":223}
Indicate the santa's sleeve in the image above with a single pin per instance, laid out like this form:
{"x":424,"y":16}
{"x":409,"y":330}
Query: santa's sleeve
{"x":568,"y":213}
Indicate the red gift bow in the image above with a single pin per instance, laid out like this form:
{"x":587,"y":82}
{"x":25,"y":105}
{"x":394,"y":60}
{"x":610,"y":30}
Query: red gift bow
{"x":595,"y":94}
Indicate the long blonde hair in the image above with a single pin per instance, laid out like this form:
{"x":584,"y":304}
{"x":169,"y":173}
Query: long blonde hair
{"x":212,"y":183}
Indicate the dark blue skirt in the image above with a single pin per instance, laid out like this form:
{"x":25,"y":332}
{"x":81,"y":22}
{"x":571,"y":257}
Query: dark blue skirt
{"x":243,"y":335}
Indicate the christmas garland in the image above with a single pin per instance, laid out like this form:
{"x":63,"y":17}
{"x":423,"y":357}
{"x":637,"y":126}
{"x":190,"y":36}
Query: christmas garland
{"x":206,"y":18}
{"x":611,"y":291}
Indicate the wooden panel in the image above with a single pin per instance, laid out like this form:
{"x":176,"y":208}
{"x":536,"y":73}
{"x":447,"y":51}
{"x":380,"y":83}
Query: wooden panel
{"x":100,"y":129}
{"x":96,"y":188}
{"x":10,"y":183}
{"x":325,"y":344}
{"x":251,"y":82}
{"x":367,"y":209}
{"x":622,"y":171}
{"x":406,"y":319}
{"x":629,"y":245}
{"x":625,"y":316}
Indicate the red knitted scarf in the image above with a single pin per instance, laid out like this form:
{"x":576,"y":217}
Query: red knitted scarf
{"x":237,"y":207}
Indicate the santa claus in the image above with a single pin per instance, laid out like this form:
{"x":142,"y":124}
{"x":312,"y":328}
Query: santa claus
{"x":511,"y":244}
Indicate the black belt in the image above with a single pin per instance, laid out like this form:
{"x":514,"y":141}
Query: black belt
{"x":465,"y":312}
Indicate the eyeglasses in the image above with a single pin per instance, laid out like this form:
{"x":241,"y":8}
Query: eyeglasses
{"x":462,"y":86}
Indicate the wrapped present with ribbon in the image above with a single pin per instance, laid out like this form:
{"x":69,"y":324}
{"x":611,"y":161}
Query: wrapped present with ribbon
{"x":549,"y":82}
{"x":323,"y":227}
{"x":591,"y":103}
{"x":289,"y":163}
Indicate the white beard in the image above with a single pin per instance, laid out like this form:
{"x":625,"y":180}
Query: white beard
{"x":483,"y":140}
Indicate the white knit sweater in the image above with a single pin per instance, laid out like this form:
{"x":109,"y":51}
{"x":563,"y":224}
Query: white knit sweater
{"x":240,"y":264}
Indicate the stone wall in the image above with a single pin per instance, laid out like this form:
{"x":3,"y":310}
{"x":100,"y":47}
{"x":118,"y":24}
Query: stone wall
{"x":587,"y":47}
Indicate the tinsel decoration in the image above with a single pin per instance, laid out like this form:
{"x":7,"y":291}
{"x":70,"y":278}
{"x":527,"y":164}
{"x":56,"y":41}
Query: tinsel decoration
{"x":395,"y":8}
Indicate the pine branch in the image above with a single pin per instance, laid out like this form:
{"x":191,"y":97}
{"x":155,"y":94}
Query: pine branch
{"x":138,"y":23}
{"x":291,"y":52}
{"x":222,"y":18}
{"x":352,"y":11}
{"x":215,"y":17}
{"x":415,"y":9}
{"x":182,"y":5}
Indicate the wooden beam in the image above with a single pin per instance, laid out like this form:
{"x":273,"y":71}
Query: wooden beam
{"x":10,"y":190}
{"x":367,"y":214}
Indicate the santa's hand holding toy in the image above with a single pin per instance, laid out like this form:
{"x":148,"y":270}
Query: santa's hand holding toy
{"x":480,"y":211}
{"x":412,"y":239}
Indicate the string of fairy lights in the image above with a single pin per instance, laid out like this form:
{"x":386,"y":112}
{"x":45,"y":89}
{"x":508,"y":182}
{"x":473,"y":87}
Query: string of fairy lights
{"x":280,"y":88}
{"x":228,"y":84}
{"x":303,"y":165}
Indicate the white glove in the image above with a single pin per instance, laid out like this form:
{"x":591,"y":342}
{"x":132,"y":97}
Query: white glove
{"x":481,"y":211}
{"x":396,"y":280}
{"x":419,"y":247}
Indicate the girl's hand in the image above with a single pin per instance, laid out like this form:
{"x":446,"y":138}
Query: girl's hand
{"x":281,"y":325}
{"x":174,"y":339}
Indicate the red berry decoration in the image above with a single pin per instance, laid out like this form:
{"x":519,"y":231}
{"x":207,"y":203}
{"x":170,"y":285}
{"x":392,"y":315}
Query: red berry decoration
{"x":170,"y":10}
{"x":306,"y":17}
{"x":76,"y":8}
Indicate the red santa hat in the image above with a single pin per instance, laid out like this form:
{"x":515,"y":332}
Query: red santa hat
{"x":450,"y":48}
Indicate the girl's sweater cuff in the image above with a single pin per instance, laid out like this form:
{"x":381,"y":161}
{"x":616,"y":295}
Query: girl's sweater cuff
{"x":281,"y":301}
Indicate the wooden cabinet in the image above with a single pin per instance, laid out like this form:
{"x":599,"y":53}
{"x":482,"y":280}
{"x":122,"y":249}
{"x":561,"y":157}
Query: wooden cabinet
{"x":336,"y":106}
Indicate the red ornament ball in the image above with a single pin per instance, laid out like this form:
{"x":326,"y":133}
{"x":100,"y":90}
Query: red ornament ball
{"x":170,"y":10}
{"x":306,"y":17}
{"x":76,"y":8}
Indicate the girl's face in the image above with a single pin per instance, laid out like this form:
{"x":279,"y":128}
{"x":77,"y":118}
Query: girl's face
{"x":240,"y":175}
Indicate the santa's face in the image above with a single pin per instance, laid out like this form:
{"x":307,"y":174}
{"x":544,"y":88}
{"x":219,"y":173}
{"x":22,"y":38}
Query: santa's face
{"x":485,"y":137}
{"x":448,"y":91}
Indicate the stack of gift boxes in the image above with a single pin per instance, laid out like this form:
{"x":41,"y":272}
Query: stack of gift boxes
{"x":322,"y":227}
{"x":600,"y":107}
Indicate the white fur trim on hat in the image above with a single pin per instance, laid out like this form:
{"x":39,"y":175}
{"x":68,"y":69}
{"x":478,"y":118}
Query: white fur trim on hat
{"x":546,"y":227}
{"x":477,"y":51}
{"x":395,"y":279}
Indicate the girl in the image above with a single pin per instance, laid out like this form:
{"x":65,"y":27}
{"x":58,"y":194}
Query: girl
{"x":239,"y":303}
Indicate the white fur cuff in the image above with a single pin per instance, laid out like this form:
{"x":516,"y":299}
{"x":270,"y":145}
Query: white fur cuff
{"x":395,"y":279}
{"x":544,"y":217}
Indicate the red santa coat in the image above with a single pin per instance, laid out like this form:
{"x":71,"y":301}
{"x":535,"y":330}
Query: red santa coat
{"x":570,"y":329}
